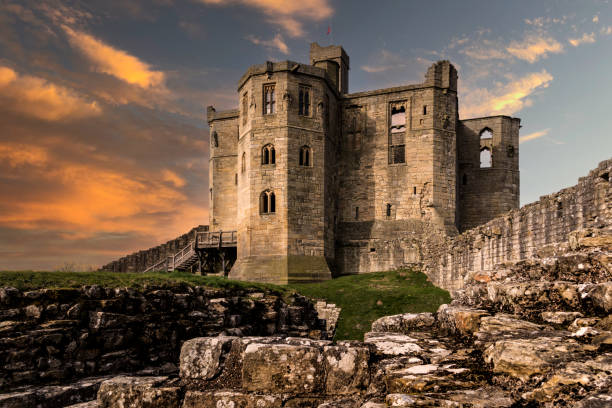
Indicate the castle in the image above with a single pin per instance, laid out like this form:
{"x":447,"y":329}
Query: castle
{"x":313,"y":181}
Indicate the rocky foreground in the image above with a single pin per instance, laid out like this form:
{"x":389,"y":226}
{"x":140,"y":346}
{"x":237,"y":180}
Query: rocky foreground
{"x":529,"y":334}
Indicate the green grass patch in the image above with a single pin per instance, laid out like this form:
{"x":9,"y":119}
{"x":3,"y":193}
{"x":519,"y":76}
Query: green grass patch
{"x":364,"y":298}
{"x":29,"y":280}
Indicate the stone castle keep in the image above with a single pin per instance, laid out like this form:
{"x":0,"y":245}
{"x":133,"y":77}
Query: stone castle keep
{"x":317,"y":181}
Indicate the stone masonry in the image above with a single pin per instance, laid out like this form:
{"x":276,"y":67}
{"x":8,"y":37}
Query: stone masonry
{"x":320,"y":182}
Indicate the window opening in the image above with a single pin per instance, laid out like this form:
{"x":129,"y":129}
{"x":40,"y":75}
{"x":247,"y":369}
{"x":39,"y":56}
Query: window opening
{"x":424,"y":109}
{"x":486,"y":134}
{"x":267,"y":202}
{"x":485,"y":158}
{"x":304,"y":101}
{"x":398,"y":154}
{"x":245,"y":107}
{"x":465,"y":179}
{"x":356,"y":213}
{"x":388,"y":210}
{"x":305,"y":156}
{"x":268,"y":155}
{"x":243,"y":168}
{"x":269,"y":100}
{"x":398,"y":119}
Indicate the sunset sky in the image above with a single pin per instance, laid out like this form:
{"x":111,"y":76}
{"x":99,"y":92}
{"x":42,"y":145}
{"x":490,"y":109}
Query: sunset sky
{"x":103,"y":139}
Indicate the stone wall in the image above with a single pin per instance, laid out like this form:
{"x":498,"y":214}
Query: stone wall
{"x":139,"y":261}
{"x":520,"y":234}
{"x":51,"y":336}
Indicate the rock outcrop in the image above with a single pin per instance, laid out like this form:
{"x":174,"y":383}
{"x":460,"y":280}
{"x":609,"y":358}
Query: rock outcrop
{"x":528,"y":334}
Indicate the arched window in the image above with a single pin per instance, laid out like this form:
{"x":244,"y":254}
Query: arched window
{"x":305,"y":156}
{"x":486,"y":133}
{"x":267,"y":202}
{"x":268,"y":155}
{"x":485,"y":158}
{"x":243,"y":167}
{"x":486,"y":148}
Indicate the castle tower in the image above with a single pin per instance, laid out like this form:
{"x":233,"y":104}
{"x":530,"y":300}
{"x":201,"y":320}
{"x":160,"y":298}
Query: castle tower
{"x":284,"y":136}
{"x":488,"y":169}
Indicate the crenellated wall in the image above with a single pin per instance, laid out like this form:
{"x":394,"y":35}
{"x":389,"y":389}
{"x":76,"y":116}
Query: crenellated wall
{"x":519,"y":234}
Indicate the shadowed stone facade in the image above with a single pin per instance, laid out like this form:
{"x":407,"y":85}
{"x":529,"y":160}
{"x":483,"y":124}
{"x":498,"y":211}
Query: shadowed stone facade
{"x":319,"y":182}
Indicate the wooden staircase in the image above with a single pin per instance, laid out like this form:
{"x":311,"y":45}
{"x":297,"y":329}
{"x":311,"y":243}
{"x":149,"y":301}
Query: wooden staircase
{"x":183,"y":260}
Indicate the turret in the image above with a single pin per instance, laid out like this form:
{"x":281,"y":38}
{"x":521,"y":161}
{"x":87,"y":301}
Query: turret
{"x":335,"y":61}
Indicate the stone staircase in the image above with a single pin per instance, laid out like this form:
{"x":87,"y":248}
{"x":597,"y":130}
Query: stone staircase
{"x":534,"y":333}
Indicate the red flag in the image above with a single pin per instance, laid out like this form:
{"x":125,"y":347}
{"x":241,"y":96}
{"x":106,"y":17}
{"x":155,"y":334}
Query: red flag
{"x":328,"y":30}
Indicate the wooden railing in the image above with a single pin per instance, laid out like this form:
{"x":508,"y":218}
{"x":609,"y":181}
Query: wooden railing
{"x":217,"y":239}
{"x":172,"y":261}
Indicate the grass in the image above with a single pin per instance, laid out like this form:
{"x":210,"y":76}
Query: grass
{"x":364,"y":298}
{"x":29,"y":280}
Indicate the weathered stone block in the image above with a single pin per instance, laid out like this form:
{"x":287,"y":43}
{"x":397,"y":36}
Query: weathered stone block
{"x":217,"y":399}
{"x":281,"y":368}
{"x":141,"y":392}
{"x":200,"y":357}
{"x":347,"y":369}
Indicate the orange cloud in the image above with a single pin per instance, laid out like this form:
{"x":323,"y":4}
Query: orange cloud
{"x":534,"y":135}
{"x":507,"y":99}
{"x":585,"y":39}
{"x":171,"y":177}
{"x":534,"y":47}
{"x":39,"y":98}
{"x":277,"y":42}
{"x":16,"y":155}
{"x":287,"y":14}
{"x":112,"y":61}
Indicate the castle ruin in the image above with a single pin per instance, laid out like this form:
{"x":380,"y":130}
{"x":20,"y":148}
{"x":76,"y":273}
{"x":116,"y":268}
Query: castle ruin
{"x":314,"y":181}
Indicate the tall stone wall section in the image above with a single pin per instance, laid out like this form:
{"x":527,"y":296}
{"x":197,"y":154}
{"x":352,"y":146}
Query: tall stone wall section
{"x":139,"y":261}
{"x":520,"y":234}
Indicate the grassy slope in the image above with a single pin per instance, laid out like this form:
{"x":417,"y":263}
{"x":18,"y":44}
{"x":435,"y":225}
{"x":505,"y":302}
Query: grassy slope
{"x":365,"y":298}
{"x":28,"y":280}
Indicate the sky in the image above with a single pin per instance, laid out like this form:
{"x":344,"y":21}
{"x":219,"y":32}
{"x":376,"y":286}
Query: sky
{"x":103,"y":138}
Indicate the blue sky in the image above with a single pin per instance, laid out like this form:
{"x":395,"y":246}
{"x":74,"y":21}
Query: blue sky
{"x":103,"y":142}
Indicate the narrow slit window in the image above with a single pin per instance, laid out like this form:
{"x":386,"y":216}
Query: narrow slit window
{"x":304,"y":101}
{"x":245,"y":107}
{"x":305,"y":156}
{"x":243,"y":167}
{"x":465,"y":179}
{"x":269,"y":99}
{"x":356,"y":213}
{"x":388,"y":210}
{"x":424,"y":109}
{"x":414,"y":190}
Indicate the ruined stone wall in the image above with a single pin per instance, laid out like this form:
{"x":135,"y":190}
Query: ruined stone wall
{"x":486,"y":193}
{"x":520,"y":233}
{"x":223,"y":170}
{"x":50,"y":336}
{"x":139,"y":261}
{"x":383,"y":203}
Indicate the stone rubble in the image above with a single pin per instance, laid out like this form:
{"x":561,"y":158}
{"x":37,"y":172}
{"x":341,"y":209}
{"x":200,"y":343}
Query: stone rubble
{"x":533,"y":334}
